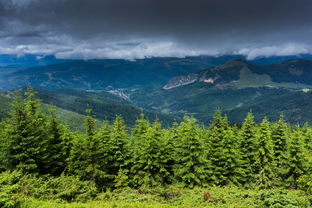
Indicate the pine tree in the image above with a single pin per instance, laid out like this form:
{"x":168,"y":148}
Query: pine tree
{"x":248,"y":147}
{"x":223,"y":153}
{"x":190,"y":161}
{"x":265,"y":163}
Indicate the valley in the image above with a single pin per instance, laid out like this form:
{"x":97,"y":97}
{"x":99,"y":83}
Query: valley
{"x":169,"y":88}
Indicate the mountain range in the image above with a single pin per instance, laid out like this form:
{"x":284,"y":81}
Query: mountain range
{"x":168,"y":88}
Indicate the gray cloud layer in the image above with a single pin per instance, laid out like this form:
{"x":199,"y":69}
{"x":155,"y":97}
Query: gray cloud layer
{"x":144,"y":28}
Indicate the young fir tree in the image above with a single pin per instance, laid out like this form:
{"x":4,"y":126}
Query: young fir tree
{"x":223,"y":153}
{"x":140,"y":128}
{"x":171,"y":143}
{"x":116,"y":148}
{"x":297,"y":161}
{"x":281,"y":153}
{"x":307,"y":132}
{"x":248,"y":147}
{"x":57,"y":151}
{"x":137,"y":137}
{"x":104,"y":134}
{"x":151,"y":160}
{"x":26,"y":136}
{"x":87,"y":155}
{"x":265,"y":163}
{"x":3,"y":147}
{"x":190,"y":162}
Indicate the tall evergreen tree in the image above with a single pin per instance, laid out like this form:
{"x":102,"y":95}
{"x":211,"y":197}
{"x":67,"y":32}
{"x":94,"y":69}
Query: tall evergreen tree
{"x":151,"y":159}
{"x":190,"y":159}
{"x":25,"y":132}
{"x":297,"y":161}
{"x":223,"y":152}
{"x":116,"y":147}
{"x":307,"y":132}
{"x":57,"y":151}
{"x":87,"y":155}
{"x":248,"y":147}
{"x":281,"y":153}
{"x":265,"y":163}
{"x":140,"y":128}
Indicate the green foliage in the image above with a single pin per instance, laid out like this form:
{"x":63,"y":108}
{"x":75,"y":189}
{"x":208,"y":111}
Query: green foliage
{"x":248,"y":147}
{"x":223,"y":152}
{"x":26,"y":136}
{"x":305,"y":183}
{"x":87,"y":155}
{"x":45,"y":161}
{"x":150,"y":159}
{"x":265,"y":164}
{"x":16,"y":187}
{"x":169,"y":197}
{"x":57,"y":147}
{"x":190,"y":164}
{"x":280,"y":199}
{"x":281,"y":147}
{"x":297,"y":161}
{"x":9,"y":189}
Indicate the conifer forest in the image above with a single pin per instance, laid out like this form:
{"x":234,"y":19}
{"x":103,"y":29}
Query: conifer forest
{"x":46,"y":164}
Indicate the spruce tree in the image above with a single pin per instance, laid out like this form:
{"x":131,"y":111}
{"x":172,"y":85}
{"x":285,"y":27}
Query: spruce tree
{"x":281,"y":153}
{"x":265,"y":163}
{"x":104,"y":134}
{"x":57,"y":151}
{"x":87,"y":155}
{"x":223,"y":153}
{"x":26,"y":135}
{"x":151,"y":160}
{"x":248,"y":147}
{"x":137,"y":137}
{"x":116,"y":147}
{"x":297,"y":161}
{"x":140,"y":128}
{"x":307,"y":132}
{"x":190,"y":161}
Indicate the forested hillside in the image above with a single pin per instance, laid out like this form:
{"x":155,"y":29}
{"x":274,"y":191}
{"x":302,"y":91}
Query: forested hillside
{"x":72,"y":104}
{"x":44,"y":164}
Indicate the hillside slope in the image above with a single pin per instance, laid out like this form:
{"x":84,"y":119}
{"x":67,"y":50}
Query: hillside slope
{"x":295,"y":106}
{"x":71,"y":103}
{"x":234,"y":85}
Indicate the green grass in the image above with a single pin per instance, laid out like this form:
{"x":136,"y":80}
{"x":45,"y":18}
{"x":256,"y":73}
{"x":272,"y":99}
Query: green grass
{"x":220,"y":197}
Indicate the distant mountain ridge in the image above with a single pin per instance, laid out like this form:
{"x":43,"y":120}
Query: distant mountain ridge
{"x":173,"y":87}
{"x":236,"y":87}
{"x":100,"y":74}
{"x":28,"y":60}
{"x":241,"y":74}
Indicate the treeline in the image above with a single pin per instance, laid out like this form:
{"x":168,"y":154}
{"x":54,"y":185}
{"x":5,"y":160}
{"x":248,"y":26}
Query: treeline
{"x":264,"y":155}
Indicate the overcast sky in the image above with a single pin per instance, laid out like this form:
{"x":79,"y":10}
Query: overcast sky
{"x":146,"y":28}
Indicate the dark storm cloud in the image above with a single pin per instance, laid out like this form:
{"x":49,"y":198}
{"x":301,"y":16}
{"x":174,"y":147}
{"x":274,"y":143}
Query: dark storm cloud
{"x":139,"y":28}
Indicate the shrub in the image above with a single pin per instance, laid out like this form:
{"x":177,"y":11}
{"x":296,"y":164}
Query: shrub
{"x":9,"y":189}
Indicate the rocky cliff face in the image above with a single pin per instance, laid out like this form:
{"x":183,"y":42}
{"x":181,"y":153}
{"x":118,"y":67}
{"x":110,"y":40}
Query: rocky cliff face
{"x":217,"y":75}
{"x":181,"y":80}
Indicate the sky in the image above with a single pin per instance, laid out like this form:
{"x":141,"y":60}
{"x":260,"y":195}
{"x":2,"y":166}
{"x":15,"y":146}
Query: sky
{"x":134,"y":29}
